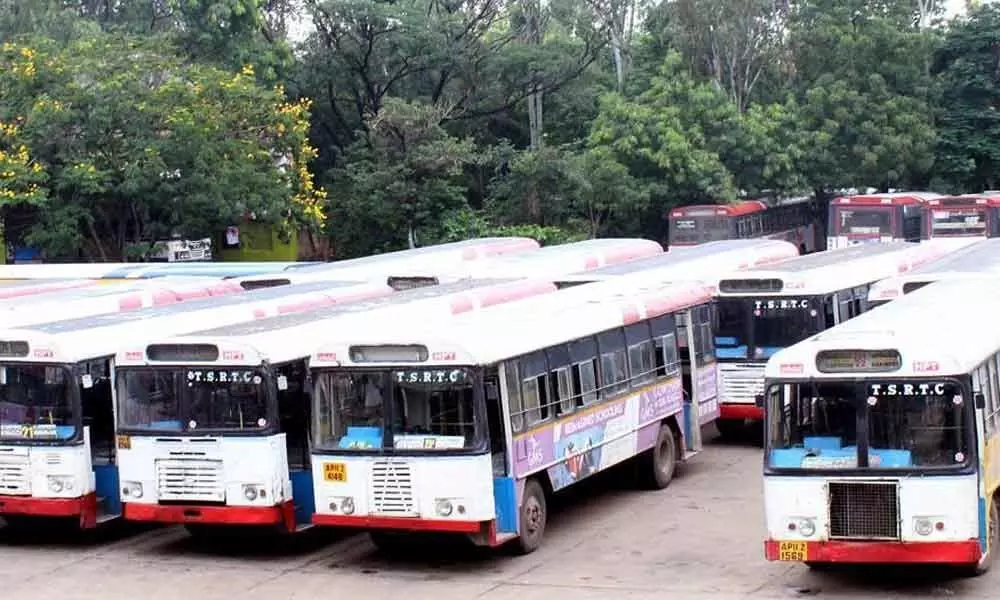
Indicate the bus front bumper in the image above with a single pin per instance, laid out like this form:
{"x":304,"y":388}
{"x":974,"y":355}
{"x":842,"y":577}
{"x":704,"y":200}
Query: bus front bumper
{"x":399,"y":523}
{"x":82,"y":507}
{"x":953,"y":552}
{"x":189,"y":514}
{"x":740,"y":412}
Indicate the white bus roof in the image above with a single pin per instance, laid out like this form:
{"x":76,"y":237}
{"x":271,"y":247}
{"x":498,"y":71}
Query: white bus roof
{"x":133,"y":270}
{"x":292,"y":337}
{"x":511,"y":330}
{"x":943,"y":329}
{"x":88,"y":302}
{"x":976,"y":260}
{"x":427,"y":260}
{"x":556,"y":261}
{"x":88,"y":338}
{"x":831,"y":270}
{"x":701,"y":262}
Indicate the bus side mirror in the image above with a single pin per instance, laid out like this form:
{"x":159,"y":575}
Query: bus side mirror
{"x":759,"y":400}
{"x":979,"y":399}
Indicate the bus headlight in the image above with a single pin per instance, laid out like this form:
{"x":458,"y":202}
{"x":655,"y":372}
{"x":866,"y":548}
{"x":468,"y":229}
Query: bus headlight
{"x":347,"y":506}
{"x":927,"y":525}
{"x":804,"y":526}
{"x":131,"y":488}
{"x":443,"y":507}
{"x":253,"y":491}
{"x":60,"y":483}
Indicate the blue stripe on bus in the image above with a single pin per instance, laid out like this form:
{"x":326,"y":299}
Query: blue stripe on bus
{"x":505,"y":502}
{"x":983,"y":527}
{"x":107,"y":489}
{"x":303,"y":497}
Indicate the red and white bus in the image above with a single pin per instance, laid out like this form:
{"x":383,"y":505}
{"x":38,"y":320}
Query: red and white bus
{"x":969,"y":215}
{"x":892,"y":217}
{"x":789,"y":219}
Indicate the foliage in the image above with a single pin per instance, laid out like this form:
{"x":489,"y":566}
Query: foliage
{"x":134,"y":144}
{"x":431,"y":120}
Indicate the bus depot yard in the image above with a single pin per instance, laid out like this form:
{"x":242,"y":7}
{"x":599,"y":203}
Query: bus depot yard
{"x":699,"y":539}
{"x":489,"y":418}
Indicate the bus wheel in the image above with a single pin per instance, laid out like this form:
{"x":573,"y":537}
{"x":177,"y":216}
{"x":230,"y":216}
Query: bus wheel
{"x":658,"y":466}
{"x":993,"y":545}
{"x":534,"y":514}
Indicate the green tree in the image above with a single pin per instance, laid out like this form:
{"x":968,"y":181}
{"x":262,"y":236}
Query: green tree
{"x":137,"y":144}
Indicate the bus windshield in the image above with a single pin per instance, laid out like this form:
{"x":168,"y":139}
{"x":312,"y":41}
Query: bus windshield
{"x":698,"y":229}
{"x":867,"y":221}
{"x":36,"y":402}
{"x":958,"y":221}
{"x":193,"y":399}
{"x":419,"y":409}
{"x":908,"y":425}
{"x":759,"y":327}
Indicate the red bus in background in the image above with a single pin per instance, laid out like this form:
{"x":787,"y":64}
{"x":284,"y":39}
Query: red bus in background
{"x":789,"y":219}
{"x":969,"y":215}
{"x":892,"y":217}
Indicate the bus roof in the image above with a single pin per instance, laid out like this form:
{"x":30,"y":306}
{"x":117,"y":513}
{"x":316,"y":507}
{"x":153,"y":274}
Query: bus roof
{"x":135,"y":270}
{"x":743,"y":207}
{"x":942,"y":329}
{"x":555,"y":261}
{"x":832,"y":270}
{"x":893,"y":198}
{"x":966,"y":199}
{"x":424,"y":260}
{"x":511,"y":330}
{"x":981,"y":258}
{"x":292,"y":337}
{"x":699,"y":262}
{"x":96,"y":336}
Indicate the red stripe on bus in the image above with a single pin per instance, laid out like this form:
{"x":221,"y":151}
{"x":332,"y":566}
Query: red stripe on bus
{"x":964,"y":552}
{"x":398,"y":523}
{"x":132,"y":302}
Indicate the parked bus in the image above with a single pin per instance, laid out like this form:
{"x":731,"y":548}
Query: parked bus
{"x":760,"y":311}
{"x":57,"y":444}
{"x":548,"y":262}
{"x":881,"y":437}
{"x":704,"y":262}
{"x":478,"y":419}
{"x":789,"y":219}
{"x":981,"y":259}
{"x":969,"y":215}
{"x":240,"y":394}
{"x":428,"y":260}
{"x":865,"y":218}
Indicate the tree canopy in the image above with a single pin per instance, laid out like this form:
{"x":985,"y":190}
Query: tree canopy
{"x":387,"y":123}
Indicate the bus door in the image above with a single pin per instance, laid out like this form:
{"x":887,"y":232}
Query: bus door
{"x":98,"y":418}
{"x":505,"y":498}
{"x":294,"y":402}
{"x":700,"y":381}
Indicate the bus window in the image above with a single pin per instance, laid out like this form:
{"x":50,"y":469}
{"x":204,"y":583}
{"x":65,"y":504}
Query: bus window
{"x":614,"y":365}
{"x":640,"y":353}
{"x":513,"y":384}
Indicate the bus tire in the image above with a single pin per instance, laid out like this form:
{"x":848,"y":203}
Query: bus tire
{"x":983,"y":566}
{"x":660,"y":463}
{"x":534,"y":515}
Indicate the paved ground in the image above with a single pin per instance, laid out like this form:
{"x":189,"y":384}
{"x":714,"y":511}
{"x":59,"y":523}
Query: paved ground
{"x":700,"y":539}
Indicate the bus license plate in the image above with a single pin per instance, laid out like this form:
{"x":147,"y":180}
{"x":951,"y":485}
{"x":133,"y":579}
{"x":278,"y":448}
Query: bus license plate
{"x":335,"y":472}
{"x":793,"y":551}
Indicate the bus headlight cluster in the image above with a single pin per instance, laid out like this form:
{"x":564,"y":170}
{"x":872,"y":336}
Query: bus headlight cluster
{"x":60,"y":483}
{"x":253,"y":491}
{"x":344,"y":504}
{"x":444,"y":507}
{"x":131,"y":489}
{"x":927,"y":525}
{"x":804,"y":526}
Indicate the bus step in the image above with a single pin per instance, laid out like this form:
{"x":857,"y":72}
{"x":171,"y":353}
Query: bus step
{"x":302,"y":527}
{"x":105,"y":517}
{"x":689,"y":453}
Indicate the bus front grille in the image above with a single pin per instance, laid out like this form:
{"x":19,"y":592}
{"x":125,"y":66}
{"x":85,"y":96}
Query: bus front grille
{"x":392,"y":488}
{"x":741,"y":382}
{"x":14,"y":479}
{"x":864,"y":510}
{"x":190,"y":480}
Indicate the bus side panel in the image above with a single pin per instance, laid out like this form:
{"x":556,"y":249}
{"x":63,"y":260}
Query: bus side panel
{"x":505,"y":501}
{"x":107,"y":487}
{"x":303,"y":496}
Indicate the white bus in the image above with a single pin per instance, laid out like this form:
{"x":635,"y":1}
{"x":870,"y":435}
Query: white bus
{"x":426,"y":261}
{"x":471,"y":423}
{"x":57,"y":445}
{"x":239,"y":396}
{"x":882,"y":435}
{"x":976,"y":260}
{"x":548,"y":262}
{"x":867,"y":218}
{"x":760,"y":311}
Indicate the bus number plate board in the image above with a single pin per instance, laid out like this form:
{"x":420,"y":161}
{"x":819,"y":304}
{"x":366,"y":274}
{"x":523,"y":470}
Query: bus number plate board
{"x":793,"y":551}
{"x":335,"y":472}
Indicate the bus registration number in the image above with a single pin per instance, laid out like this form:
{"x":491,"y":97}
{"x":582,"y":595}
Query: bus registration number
{"x":793,"y":551}
{"x":335,"y":472}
